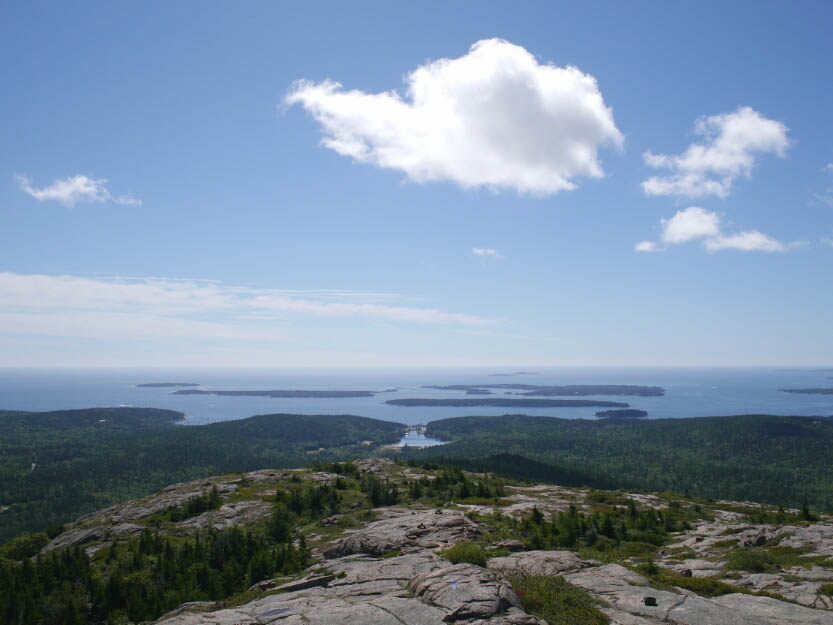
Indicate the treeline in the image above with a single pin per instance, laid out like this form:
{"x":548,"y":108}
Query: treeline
{"x":777,"y":460}
{"x":56,"y":466}
{"x":140,"y":579}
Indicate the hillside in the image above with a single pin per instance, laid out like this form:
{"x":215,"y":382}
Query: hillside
{"x":57,"y":465}
{"x":375,"y":542}
{"x":778,"y":460}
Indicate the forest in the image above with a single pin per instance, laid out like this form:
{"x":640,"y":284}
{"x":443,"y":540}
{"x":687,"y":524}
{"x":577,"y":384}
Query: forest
{"x":55,"y":466}
{"x":772,"y":459}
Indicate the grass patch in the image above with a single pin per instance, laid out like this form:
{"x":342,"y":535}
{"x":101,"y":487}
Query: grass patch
{"x":557,"y":601}
{"x":826,"y":589}
{"x":466,"y":551}
{"x":762,"y":560}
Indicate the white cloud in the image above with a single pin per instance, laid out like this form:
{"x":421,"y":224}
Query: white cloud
{"x":829,"y":167}
{"x":494,"y":118}
{"x":141,"y":307}
{"x":731,"y":144}
{"x":689,"y":224}
{"x":695,"y":223}
{"x":751,"y":240}
{"x":486,"y":252}
{"x":646,"y":246}
{"x":827,"y":241}
{"x":74,"y":189}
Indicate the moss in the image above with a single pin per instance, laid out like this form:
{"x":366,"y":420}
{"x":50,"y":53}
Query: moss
{"x":557,"y":601}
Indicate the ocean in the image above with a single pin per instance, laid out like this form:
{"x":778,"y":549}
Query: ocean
{"x":690,"y":392}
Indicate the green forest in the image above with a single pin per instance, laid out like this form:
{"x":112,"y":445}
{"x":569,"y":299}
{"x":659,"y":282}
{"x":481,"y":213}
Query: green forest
{"x":56,"y":466}
{"x":777,"y":460}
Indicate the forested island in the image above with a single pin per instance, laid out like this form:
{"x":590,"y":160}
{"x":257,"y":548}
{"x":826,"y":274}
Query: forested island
{"x":290,"y":393}
{"x":503,"y":402}
{"x":808,"y":391}
{"x":626,"y":413}
{"x":165,"y":384}
{"x":564,"y":390}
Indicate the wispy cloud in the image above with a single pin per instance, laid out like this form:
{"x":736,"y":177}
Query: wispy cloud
{"x":731,"y":145}
{"x":81,"y":306}
{"x":486,"y":252}
{"x":494,"y":118}
{"x":826,"y":196}
{"x":698,"y":224}
{"x":70,"y":191}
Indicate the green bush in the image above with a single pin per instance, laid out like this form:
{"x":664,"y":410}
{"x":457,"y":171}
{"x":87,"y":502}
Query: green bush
{"x":557,"y":601}
{"x":751,"y":560}
{"x":466,"y":551}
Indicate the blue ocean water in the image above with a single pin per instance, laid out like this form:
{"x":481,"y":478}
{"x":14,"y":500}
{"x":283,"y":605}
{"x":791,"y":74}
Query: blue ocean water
{"x":690,"y":392}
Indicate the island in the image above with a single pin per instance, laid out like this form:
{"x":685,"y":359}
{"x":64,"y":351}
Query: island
{"x":479,"y":391}
{"x":808,"y":391}
{"x":291,"y":393}
{"x":627,"y":413}
{"x":165,"y":384}
{"x":509,"y":375}
{"x":565,"y":390}
{"x":507,"y":403}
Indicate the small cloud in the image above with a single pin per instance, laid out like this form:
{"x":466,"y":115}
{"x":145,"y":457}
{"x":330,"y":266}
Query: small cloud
{"x":75,"y":189}
{"x":698,"y":224}
{"x":494,"y":117}
{"x":646,"y":246}
{"x":827,"y":241}
{"x":486,"y":252}
{"x":751,"y":240}
{"x":730,"y":147}
{"x":829,"y":167}
{"x":690,"y":224}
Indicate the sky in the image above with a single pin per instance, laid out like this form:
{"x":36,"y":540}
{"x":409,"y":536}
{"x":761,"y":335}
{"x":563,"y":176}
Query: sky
{"x":330,"y":184}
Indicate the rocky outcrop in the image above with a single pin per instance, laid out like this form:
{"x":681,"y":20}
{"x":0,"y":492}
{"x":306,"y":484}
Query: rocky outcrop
{"x":228,"y":515}
{"x":407,"y":531}
{"x":416,"y":589}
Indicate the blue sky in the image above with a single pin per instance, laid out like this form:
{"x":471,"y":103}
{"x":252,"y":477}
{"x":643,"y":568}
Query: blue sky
{"x":382,"y":184}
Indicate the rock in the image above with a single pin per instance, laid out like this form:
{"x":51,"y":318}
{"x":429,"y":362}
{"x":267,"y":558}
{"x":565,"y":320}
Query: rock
{"x":401,"y":531}
{"x":510,"y":544}
{"x":228,"y":515}
{"x":75,"y":537}
{"x":465,"y":591}
{"x":306,"y":582}
{"x":773,"y":611}
{"x":539,"y":562}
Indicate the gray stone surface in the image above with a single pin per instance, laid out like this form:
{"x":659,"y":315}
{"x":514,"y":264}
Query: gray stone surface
{"x":465,"y":591}
{"x":539,"y":562}
{"x":407,"y":532}
{"x":775,"y":612}
{"x":228,"y":515}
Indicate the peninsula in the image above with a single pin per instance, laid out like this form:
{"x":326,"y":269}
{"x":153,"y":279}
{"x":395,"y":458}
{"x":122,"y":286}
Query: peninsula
{"x":626,"y":413}
{"x":808,"y":391}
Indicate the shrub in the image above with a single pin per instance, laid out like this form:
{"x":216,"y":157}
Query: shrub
{"x":466,"y":551}
{"x":557,"y":601}
{"x":751,"y":560}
